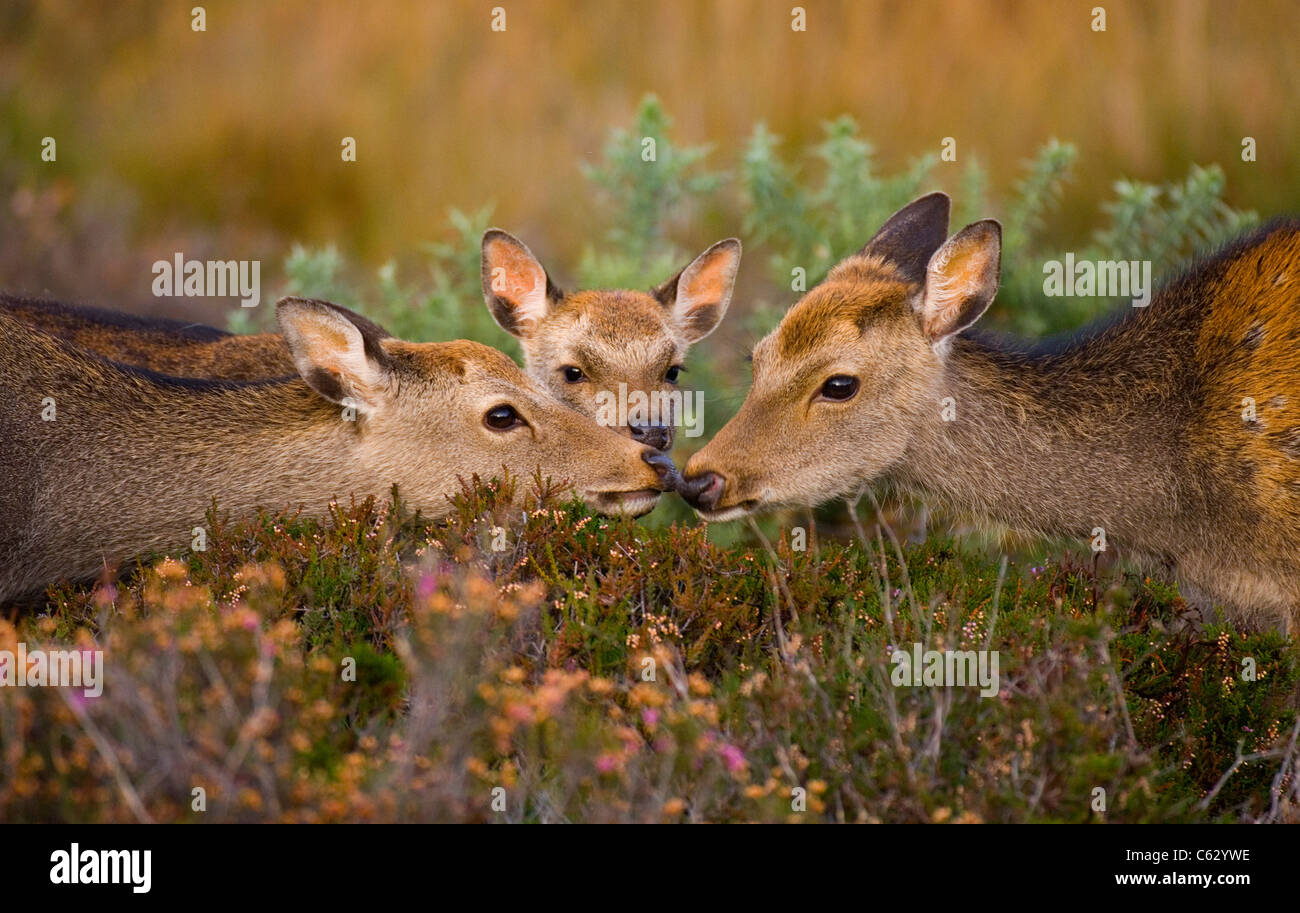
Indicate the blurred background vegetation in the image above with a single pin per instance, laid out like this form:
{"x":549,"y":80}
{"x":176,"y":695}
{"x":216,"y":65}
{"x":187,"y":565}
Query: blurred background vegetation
{"x":226,"y":144}
{"x":227,"y":141}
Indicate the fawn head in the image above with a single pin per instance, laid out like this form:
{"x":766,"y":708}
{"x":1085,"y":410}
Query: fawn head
{"x":427,"y":413}
{"x":853,"y":370}
{"x":583,"y":346}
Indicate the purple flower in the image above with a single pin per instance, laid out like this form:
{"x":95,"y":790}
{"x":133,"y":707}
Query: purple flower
{"x":427,"y":585}
{"x":732,"y":757}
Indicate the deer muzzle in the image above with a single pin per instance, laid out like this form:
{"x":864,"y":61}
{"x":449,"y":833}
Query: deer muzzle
{"x":703,"y":492}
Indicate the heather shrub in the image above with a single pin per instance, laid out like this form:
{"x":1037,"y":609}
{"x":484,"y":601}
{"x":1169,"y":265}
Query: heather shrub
{"x":372,"y":666}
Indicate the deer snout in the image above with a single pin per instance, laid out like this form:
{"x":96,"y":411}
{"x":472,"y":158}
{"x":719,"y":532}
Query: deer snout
{"x":660,"y":437}
{"x":703,"y":492}
{"x":663,"y":466}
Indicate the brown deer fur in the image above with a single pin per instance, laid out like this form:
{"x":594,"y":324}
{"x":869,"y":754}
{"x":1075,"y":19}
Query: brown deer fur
{"x":611,"y":336}
{"x":1141,"y":428}
{"x":165,"y":346}
{"x":132,"y":459}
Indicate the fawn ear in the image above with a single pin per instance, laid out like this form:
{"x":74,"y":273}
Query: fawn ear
{"x":911,"y":236}
{"x":515,"y":286}
{"x":340,"y":354}
{"x":961,"y":280}
{"x":697,"y":297}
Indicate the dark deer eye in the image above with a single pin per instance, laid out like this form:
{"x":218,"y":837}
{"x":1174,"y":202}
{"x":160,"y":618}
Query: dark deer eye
{"x":502,"y":418}
{"x":671,"y":374}
{"x":572,"y":374}
{"x":841,"y":386}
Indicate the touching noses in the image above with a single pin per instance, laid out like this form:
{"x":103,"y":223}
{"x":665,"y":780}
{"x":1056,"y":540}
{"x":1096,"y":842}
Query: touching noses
{"x":663,"y":467}
{"x":704,"y":491}
{"x":660,"y":437}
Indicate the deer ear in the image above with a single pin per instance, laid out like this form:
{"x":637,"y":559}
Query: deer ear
{"x":911,"y":236}
{"x":697,"y":297}
{"x":338,"y":353}
{"x":515,"y":286}
{"x":961,"y":280}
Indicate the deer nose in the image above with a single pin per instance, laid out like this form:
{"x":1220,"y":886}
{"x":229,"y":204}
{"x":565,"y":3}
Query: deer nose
{"x":703,"y":491}
{"x":663,"y":467}
{"x":660,"y":437}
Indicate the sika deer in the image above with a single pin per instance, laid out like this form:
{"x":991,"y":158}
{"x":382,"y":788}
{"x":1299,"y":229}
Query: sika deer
{"x":583,"y":344}
{"x":1174,"y":429}
{"x":575,"y":345}
{"x":103,"y":462}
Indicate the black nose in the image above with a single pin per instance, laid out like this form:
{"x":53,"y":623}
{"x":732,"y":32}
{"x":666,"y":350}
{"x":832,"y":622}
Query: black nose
{"x":703,"y":491}
{"x":660,"y":437}
{"x":662,"y":465}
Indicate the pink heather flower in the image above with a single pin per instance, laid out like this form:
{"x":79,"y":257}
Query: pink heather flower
{"x":650,"y":717}
{"x":733,"y":758}
{"x":427,"y":584}
{"x":606,"y":763}
{"x":77,"y":697}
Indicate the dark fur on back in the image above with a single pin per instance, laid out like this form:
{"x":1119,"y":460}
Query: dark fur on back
{"x":168,"y":347}
{"x":56,"y":315}
{"x":1175,"y":299}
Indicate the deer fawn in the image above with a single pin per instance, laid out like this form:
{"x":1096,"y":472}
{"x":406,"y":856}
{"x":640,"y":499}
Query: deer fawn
{"x":1173,"y":432}
{"x":574,"y":345}
{"x":103,"y":462}
{"x":583,"y":344}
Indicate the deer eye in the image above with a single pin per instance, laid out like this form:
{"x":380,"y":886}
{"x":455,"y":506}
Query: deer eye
{"x":840,"y":387}
{"x":671,"y":374}
{"x":502,"y":418}
{"x":573,"y":374}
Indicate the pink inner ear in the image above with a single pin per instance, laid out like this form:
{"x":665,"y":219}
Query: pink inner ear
{"x":325,"y":339}
{"x":961,"y":275}
{"x":709,"y":283}
{"x":523,"y":274}
{"x":707,"y":288}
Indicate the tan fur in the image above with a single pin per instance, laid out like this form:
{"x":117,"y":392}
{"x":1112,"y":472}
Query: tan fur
{"x":133,"y":459}
{"x":1136,"y":428}
{"x":612,"y":336}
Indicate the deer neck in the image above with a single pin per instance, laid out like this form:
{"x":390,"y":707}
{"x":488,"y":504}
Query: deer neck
{"x":1058,"y":444}
{"x":271,"y":444}
{"x":297,"y":449}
